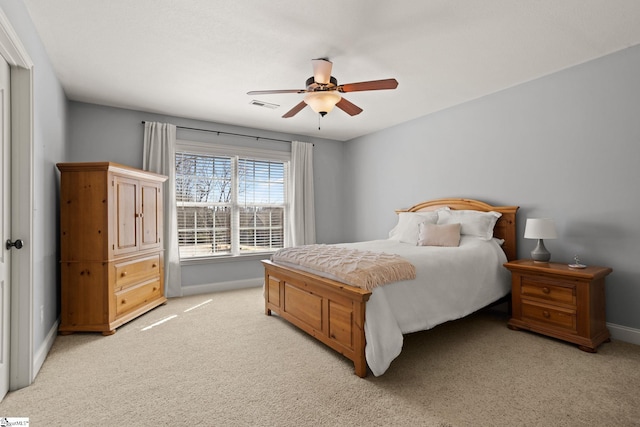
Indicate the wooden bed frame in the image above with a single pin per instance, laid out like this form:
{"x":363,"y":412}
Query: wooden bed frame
{"x":333,"y":312}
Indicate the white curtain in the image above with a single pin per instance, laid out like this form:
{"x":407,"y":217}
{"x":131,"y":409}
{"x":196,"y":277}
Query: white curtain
{"x":302,"y":224}
{"x":159,"y":156}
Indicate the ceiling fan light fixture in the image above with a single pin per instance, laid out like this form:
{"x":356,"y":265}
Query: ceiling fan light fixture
{"x":322,"y":102}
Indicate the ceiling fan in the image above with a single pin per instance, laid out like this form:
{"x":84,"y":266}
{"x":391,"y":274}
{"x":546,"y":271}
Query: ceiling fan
{"x":323,"y":92}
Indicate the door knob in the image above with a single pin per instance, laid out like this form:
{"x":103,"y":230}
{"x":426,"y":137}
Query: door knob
{"x":17,"y":244}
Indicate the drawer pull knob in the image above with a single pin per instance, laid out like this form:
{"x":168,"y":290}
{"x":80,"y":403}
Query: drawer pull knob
{"x":124,"y":301}
{"x":124,"y":273}
{"x":154,"y":265}
{"x":546,"y":314}
{"x":546,"y":290}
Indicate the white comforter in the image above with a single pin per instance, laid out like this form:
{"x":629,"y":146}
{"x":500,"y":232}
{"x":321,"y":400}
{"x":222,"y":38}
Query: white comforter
{"x":450,"y":283}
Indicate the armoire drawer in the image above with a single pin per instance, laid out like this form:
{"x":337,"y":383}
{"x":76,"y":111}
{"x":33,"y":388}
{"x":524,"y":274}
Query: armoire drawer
{"x":133,"y":297}
{"x":135,"y":271}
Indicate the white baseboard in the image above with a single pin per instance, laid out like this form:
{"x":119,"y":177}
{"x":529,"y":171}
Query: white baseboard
{"x":222,"y":286}
{"x":624,"y":333}
{"x":44,"y":349}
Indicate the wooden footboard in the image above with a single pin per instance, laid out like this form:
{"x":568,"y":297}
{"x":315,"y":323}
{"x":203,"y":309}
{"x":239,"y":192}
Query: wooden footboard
{"x":330,"y":311}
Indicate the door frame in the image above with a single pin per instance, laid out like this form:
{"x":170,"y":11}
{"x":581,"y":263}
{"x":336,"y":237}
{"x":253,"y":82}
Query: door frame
{"x":21,"y":342}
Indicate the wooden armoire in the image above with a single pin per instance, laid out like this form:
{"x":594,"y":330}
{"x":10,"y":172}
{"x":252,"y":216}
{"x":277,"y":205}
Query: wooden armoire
{"x":112,"y":265}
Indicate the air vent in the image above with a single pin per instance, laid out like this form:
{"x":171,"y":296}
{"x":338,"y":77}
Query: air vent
{"x":264,"y":104}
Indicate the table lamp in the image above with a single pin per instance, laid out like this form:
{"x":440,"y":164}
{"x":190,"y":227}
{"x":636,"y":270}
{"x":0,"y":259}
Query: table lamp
{"x":540,"y":228}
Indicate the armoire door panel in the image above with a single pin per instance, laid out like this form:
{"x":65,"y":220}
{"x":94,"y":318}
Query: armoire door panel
{"x":150,"y":220}
{"x":126,"y":195}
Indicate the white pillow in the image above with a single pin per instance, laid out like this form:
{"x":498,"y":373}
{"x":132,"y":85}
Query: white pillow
{"x":439,"y":235}
{"x":472,"y":223}
{"x":407,"y":228}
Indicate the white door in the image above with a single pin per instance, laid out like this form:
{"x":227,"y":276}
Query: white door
{"x":5,"y":227}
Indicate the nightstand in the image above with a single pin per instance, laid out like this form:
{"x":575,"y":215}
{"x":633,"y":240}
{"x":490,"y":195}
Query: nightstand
{"x":558,"y":301}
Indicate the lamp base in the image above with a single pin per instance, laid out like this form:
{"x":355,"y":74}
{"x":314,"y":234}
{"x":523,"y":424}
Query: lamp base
{"x":540,"y":253}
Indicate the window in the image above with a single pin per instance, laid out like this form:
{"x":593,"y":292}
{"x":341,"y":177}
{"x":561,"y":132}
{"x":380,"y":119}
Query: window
{"x":229,"y":204}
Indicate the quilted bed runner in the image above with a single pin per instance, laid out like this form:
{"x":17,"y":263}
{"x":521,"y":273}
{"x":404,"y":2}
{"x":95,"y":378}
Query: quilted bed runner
{"x":363,"y":269}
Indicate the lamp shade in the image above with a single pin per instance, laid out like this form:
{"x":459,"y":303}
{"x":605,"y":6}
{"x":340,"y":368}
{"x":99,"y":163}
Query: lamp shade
{"x":322,"y":102}
{"x":540,"y":228}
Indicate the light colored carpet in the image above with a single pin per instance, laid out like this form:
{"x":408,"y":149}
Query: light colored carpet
{"x":226,"y":363}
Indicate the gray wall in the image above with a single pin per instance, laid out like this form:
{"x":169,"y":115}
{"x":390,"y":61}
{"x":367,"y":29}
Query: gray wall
{"x":564,"y":146}
{"x":99,"y":133}
{"x":49,"y":147}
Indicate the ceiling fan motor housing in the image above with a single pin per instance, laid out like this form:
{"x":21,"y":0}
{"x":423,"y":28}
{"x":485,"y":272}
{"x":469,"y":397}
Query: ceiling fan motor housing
{"x":317,"y":87}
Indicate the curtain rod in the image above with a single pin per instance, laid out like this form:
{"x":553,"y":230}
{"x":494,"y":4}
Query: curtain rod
{"x":229,"y":133}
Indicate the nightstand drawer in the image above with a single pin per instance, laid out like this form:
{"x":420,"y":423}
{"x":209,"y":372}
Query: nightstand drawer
{"x":557,"y":317}
{"x":536,"y":287}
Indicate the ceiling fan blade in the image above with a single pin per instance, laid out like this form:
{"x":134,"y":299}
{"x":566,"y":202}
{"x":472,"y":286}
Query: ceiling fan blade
{"x":370,"y":85}
{"x":267,"y":92}
{"x":321,"y":70}
{"x":348,"y":107}
{"x":295,"y":110}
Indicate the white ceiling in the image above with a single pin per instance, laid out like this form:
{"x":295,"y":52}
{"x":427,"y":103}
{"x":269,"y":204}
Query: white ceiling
{"x":199,"y":58}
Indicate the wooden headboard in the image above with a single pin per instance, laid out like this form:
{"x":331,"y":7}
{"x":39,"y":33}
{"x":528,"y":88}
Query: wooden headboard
{"x":505,"y":227}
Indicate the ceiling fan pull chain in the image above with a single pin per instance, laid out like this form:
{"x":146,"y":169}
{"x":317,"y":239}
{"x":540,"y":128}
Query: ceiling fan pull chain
{"x":319,"y":118}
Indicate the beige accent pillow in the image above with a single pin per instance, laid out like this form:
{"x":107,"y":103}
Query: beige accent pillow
{"x":439,"y":235}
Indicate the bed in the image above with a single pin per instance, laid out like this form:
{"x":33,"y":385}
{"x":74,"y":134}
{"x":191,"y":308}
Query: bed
{"x":367,"y":325}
